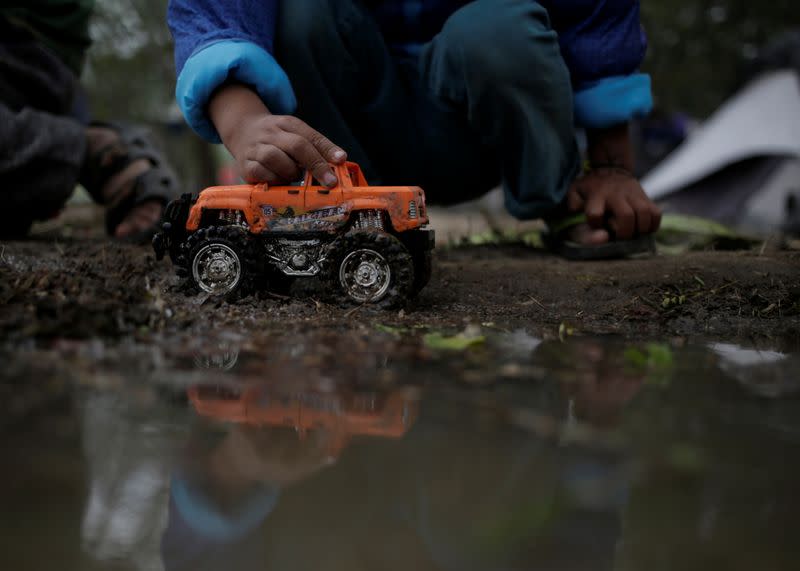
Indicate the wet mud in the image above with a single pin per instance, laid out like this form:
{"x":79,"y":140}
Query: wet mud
{"x":371,"y":450}
{"x":94,"y":289}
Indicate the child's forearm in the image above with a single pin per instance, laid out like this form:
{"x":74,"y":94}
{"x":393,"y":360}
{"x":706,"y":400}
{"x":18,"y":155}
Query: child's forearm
{"x":611,"y":148}
{"x":231,"y":106}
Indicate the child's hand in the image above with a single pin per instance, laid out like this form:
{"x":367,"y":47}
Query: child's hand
{"x":613,"y":198}
{"x":609,"y":194}
{"x":270,"y":148}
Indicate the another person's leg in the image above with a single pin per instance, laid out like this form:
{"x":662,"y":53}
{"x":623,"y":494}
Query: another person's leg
{"x":41,"y":149}
{"x":40,"y":158}
{"x":44,"y":151}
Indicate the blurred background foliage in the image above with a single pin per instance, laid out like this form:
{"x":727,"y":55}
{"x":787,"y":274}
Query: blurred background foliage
{"x":700,"y":52}
{"x":129,"y":70}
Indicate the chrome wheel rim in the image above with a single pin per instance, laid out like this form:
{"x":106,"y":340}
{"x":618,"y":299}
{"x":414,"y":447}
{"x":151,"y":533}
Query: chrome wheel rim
{"x":217,"y":269}
{"x":365,"y":275}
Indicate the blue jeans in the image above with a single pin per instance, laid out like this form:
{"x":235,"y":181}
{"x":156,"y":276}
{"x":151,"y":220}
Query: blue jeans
{"x":488,"y":99}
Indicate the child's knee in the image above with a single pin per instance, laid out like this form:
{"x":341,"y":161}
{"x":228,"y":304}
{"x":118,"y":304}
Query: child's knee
{"x":505,"y":42}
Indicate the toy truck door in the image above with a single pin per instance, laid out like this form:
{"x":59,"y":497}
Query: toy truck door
{"x":280,"y":205}
{"x":324,"y":204}
{"x":319,"y":196}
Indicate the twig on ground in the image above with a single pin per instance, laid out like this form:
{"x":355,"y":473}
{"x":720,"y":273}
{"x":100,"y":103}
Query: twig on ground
{"x":534,"y":300}
{"x":350,"y":312}
{"x":764,"y":246}
{"x":278,"y":296}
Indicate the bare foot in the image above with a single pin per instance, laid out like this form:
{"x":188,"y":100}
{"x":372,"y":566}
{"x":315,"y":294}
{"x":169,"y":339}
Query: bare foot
{"x":140,"y":219}
{"x":584,"y":235}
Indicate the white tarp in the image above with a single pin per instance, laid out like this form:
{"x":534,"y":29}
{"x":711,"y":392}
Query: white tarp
{"x":761,"y":120}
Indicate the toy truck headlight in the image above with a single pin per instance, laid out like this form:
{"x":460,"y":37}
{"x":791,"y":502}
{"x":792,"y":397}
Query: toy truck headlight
{"x":412,"y":209}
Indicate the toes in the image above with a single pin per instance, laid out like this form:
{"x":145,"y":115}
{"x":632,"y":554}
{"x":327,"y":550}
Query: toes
{"x":597,"y":237}
{"x":584,"y":235}
{"x":139,"y":219}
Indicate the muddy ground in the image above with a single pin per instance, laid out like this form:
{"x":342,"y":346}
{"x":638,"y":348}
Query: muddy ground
{"x":86,"y":288}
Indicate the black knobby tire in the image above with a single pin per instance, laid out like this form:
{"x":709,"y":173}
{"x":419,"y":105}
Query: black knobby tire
{"x":395,"y":254}
{"x":423,"y":267}
{"x":235,"y":238}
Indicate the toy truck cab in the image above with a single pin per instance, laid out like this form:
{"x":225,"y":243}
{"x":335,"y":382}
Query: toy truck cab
{"x":369,"y":243}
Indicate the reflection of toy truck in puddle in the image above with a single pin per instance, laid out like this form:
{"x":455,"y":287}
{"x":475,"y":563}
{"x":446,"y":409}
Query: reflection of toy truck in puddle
{"x":369,"y":243}
{"x":342,"y":416}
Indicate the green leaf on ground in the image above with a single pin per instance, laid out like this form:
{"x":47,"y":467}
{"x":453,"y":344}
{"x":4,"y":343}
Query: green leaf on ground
{"x":460,"y":342}
{"x":396,"y":331}
{"x":679,"y":234}
{"x":483,"y":239}
{"x":694,"y":225}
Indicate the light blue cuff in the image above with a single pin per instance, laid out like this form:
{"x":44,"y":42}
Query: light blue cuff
{"x":613,"y":100}
{"x":203,"y":516}
{"x":226,"y":60}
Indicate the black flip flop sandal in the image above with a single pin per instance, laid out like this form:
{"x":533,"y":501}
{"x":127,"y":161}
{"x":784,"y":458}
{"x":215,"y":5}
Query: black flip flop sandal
{"x":555,"y":240}
{"x":157,"y":183}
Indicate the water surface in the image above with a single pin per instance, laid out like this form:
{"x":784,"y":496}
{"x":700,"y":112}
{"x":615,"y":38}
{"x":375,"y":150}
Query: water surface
{"x":381,"y":450}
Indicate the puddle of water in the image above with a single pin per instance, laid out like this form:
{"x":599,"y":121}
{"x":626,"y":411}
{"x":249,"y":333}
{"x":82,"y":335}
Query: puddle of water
{"x":375,"y":451}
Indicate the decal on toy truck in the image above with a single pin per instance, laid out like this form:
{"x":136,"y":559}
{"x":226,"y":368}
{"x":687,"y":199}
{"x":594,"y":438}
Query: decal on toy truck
{"x":368,"y":244}
{"x":322,"y":219}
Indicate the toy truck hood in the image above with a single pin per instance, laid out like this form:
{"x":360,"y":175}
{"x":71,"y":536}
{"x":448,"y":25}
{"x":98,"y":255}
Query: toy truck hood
{"x":396,"y":200}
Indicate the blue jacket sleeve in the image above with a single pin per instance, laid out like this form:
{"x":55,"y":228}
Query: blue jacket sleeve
{"x":217,"y":41}
{"x":603,"y":44}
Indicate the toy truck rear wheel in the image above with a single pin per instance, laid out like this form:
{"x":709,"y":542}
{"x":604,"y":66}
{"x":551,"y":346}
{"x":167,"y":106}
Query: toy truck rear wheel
{"x":420,"y":243}
{"x":423,"y":268}
{"x":371,"y":267}
{"x":218,"y":262}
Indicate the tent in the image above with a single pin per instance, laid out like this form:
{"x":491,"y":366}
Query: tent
{"x":742,"y":166}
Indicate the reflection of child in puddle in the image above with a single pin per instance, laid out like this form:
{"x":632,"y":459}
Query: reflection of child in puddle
{"x":448,"y":496}
{"x":227,"y":485}
{"x":524,"y":501}
{"x":594,"y":376}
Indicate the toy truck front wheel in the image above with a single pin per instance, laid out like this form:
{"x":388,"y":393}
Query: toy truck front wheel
{"x":218,"y":261}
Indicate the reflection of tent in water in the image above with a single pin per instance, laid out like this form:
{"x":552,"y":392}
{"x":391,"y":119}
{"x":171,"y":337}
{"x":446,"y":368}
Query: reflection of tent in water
{"x":742,"y":166}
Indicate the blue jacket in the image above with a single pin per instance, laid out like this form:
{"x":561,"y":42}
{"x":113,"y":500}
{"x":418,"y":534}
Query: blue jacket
{"x":601,"y":41}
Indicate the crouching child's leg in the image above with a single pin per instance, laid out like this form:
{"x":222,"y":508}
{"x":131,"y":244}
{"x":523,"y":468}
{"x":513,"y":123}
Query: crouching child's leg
{"x":499,"y":61}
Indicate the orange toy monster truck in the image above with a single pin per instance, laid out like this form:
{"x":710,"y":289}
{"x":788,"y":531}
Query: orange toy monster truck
{"x":368,"y":243}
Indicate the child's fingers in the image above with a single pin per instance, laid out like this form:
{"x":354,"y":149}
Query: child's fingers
{"x":656,"y":214}
{"x":655,"y":217}
{"x":326,"y":147}
{"x":254,"y":172}
{"x":277,"y":161}
{"x":303,"y":152}
{"x":575,"y":202}
{"x":623,"y":217}
{"x":644,"y":220}
{"x":596,"y":209}
{"x":320,"y":142}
